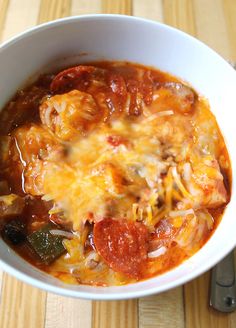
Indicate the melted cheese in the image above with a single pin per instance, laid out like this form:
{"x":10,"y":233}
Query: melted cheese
{"x":140,"y":168}
{"x":97,"y":179}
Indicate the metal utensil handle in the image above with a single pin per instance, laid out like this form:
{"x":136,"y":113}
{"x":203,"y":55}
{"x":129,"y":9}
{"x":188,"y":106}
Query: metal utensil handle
{"x":223,"y":285}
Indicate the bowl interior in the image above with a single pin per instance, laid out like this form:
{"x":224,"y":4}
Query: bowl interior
{"x":112,"y":37}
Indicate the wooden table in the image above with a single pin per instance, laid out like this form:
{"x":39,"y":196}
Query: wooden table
{"x":22,"y":306}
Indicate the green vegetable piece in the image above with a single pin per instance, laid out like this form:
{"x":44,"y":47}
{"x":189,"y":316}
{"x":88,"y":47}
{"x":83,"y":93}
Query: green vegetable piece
{"x":49,"y":247}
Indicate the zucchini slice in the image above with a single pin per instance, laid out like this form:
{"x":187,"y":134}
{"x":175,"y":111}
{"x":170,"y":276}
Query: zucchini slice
{"x":48,"y":247}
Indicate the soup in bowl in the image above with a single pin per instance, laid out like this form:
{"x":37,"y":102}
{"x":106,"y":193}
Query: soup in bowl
{"x":115,"y":160}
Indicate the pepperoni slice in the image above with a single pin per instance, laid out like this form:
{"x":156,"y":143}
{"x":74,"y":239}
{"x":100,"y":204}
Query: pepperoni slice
{"x":69,"y":78}
{"x":123,"y":245}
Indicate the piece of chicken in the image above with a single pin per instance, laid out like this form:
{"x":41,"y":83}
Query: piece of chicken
{"x":205,"y":183}
{"x":69,"y":114}
{"x":34,"y":145}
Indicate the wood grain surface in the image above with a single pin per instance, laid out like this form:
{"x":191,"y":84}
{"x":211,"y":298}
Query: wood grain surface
{"x":23,"y":306}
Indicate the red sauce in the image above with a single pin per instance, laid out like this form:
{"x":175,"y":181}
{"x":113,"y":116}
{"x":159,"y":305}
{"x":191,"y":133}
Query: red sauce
{"x":117,"y":91}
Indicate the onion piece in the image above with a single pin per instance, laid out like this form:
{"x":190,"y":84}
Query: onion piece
{"x":159,"y":114}
{"x":207,"y":217}
{"x":92,"y":260}
{"x":185,"y":236}
{"x":187,"y":172}
{"x":127,"y":103}
{"x":47,"y":116}
{"x":158,"y":252}
{"x":180,"y":184}
{"x":92,"y":256}
{"x":66,"y":234}
{"x":174,"y":214}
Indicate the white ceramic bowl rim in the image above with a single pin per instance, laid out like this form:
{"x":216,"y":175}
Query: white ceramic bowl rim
{"x":117,"y":292}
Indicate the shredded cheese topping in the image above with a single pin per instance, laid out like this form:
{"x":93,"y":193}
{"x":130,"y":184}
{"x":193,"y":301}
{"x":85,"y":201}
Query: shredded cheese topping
{"x":107,"y":180}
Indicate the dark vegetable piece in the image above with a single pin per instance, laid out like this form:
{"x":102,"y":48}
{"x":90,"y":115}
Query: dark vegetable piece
{"x":48,"y":247}
{"x":14,"y":231}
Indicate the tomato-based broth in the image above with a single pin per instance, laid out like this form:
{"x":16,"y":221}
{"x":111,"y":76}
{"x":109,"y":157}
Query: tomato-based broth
{"x":111,"y":173}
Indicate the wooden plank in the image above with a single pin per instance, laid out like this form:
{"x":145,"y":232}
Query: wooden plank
{"x":148,"y":9}
{"x":180,"y":14}
{"x":232,"y":317}
{"x":121,"y":313}
{"x":162,"y":311}
{"x":20,"y":16}
{"x":166,"y":309}
{"x":211,"y":25}
{"x":205,"y":20}
{"x":198,"y":313}
{"x":84,"y":7}
{"x":229,"y":7}
{"x":53,"y":9}
{"x":1,"y":283}
{"x":63,"y":312}
{"x":3,"y":11}
{"x":115,"y":314}
{"x":117,"y":7}
{"x":22,"y":306}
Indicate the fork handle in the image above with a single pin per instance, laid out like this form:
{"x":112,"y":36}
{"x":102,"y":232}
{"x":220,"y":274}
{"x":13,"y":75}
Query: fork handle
{"x":223,"y":285}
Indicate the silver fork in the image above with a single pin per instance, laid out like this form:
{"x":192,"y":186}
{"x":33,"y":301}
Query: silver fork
{"x":223,"y":283}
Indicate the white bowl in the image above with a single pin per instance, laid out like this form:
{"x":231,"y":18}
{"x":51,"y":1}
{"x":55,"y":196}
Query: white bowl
{"x":97,"y":37}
